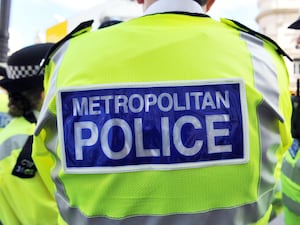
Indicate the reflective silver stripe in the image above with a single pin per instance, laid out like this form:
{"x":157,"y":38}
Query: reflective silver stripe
{"x":270,"y":142}
{"x":242,"y":215}
{"x":265,"y":75}
{"x":292,"y":172}
{"x":266,"y":82}
{"x":291,"y":204}
{"x":12,"y":143}
{"x":45,"y":114}
{"x":5,"y":118}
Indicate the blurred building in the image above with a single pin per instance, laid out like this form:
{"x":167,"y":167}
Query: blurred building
{"x":273,"y":19}
{"x":106,"y":9}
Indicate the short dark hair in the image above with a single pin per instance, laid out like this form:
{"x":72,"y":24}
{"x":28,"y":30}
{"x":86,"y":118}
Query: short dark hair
{"x":201,"y":2}
{"x":21,"y":103}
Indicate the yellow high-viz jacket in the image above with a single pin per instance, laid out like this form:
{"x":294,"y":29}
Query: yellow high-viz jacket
{"x":23,"y":201}
{"x":290,"y":179}
{"x":165,"y":119}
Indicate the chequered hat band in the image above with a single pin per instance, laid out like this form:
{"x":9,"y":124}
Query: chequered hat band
{"x":18,"y":72}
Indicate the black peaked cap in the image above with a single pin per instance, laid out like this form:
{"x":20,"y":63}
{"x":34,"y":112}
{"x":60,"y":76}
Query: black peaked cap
{"x":23,"y":66}
{"x":295,"y":25}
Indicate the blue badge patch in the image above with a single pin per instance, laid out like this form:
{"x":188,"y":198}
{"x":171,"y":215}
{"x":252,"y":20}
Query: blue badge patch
{"x":152,"y":126}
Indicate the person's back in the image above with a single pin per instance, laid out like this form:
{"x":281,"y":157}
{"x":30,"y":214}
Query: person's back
{"x":171,"y":118}
{"x":24,"y":199}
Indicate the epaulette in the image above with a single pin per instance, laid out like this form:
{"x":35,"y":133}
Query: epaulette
{"x":246,"y":29}
{"x":80,"y":29}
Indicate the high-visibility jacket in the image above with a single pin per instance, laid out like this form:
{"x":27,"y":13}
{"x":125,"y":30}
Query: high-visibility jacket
{"x":166,"y":119}
{"x":4,"y":116}
{"x":23,"y":200}
{"x":290,"y":179}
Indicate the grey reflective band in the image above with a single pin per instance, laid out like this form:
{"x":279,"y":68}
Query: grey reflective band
{"x":270,"y":142}
{"x":12,"y":143}
{"x":241,"y":215}
{"x":44,"y":113}
{"x":265,"y":75}
{"x":293,"y":173}
{"x":291,"y":204}
{"x":266,"y":82}
{"x":5,"y":118}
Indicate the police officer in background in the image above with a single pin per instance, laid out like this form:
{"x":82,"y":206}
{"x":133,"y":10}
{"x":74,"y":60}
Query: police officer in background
{"x":290,"y":176}
{"x":24,"y":199}
{"x":4,"y":116}
{"x":166,"y":119}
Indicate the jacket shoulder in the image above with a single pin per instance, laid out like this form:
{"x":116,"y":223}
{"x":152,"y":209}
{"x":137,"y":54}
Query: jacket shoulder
{"x":82,"y":28}
{"x":241,"y":27}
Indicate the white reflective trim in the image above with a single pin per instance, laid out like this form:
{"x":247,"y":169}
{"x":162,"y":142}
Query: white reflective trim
{"x":57,"y":59}
{"x":266,"y":82}
{"x":265,"y":74}
{"x":292,"y":172}
{"x":240,"y":215}
{"x":12,"y":143}
{"x":292,"y":205}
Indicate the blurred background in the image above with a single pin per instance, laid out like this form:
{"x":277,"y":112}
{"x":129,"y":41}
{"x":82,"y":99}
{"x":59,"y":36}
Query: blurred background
{"x":27,"y":22}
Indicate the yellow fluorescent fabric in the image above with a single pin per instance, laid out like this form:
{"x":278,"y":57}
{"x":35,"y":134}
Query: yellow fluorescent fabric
{"x":4,"y":101}
{"x":172,"y":182}
{"x":291,"y":185}
{"x":188,"y":42}
{"x":290,"y":218}
{"x":23,"y":201}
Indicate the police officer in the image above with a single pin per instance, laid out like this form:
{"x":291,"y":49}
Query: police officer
{"x":24,"y":199}
{"x":4,"y":116}
{"x":166,"y":119}
{"x":290,"y":176}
